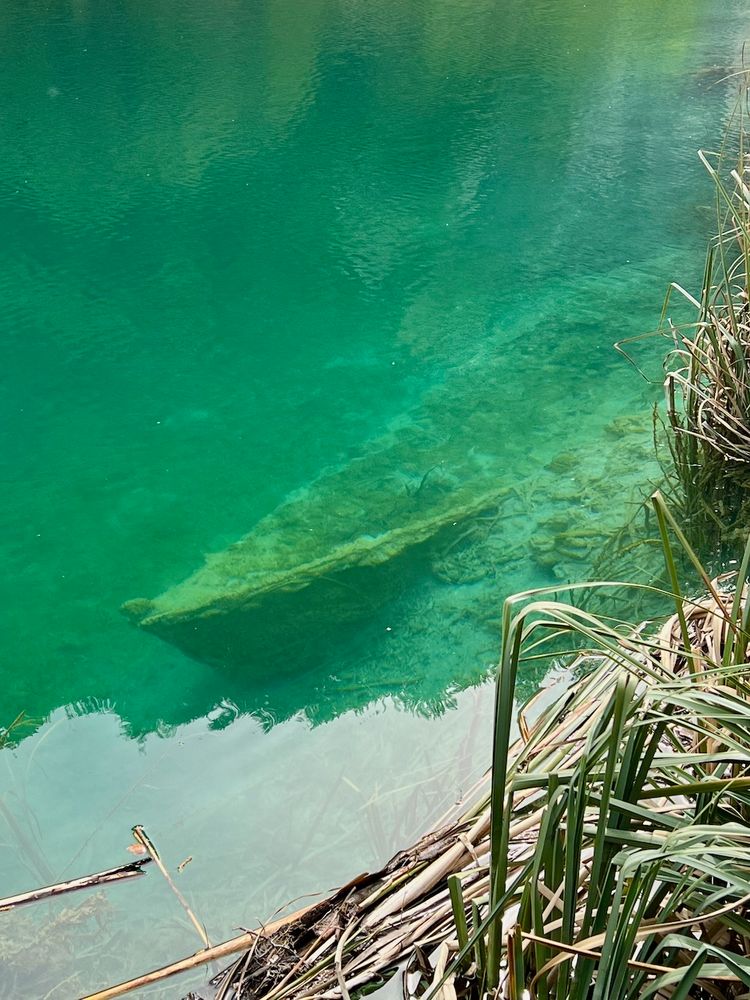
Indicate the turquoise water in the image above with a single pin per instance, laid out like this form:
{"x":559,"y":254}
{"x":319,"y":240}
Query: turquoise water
{"x":245,"y":243}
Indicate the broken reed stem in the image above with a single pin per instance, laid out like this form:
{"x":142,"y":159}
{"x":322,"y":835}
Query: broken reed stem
{"x":118,"y":874}
{"x":142,"y":837}
{"x":224,"y":950}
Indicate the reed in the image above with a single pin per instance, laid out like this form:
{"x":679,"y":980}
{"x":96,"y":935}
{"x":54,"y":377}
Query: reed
{"x":707,"y":384}
{"x":10,"y":733}
{"x":637,"y":883}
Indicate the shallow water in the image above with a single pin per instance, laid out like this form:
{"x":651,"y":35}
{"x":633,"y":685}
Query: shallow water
{"x":248,"y":243}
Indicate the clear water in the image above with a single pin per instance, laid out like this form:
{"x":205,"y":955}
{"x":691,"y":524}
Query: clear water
{"x":242,"y":242}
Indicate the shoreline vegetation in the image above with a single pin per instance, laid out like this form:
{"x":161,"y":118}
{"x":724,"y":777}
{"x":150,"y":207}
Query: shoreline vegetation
{"x":605,"y":854}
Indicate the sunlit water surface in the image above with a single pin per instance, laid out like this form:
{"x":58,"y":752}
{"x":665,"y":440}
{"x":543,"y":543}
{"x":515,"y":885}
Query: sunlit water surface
{"x":241,"y":242}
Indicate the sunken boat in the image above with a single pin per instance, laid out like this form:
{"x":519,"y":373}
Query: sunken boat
{"x":338,"y":550}
{"x":305,"y":573}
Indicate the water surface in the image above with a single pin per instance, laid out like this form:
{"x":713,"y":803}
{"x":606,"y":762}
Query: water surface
{"x":248,"y":242}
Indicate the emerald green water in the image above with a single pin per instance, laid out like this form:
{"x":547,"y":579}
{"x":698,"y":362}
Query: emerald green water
{"x":248,"y":242}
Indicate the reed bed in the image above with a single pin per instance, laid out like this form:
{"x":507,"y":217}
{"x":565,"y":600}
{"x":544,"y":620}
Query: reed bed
{"x":607,"y":853}
{"x":708,"y":384}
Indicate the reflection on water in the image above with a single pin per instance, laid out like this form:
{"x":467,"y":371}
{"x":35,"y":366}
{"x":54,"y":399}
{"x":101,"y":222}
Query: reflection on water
{"x":263,"y":814}
{"x":243,"y":242}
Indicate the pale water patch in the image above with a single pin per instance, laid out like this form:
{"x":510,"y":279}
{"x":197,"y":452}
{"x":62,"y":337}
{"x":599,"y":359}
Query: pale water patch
{"x":263,"y":823}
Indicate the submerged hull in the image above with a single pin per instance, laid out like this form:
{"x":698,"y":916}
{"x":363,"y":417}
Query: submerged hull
{"x":230,"y":613}
{"x":338,"y":550}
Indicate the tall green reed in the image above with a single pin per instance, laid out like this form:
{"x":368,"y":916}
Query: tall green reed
{"x":638,"y":883}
